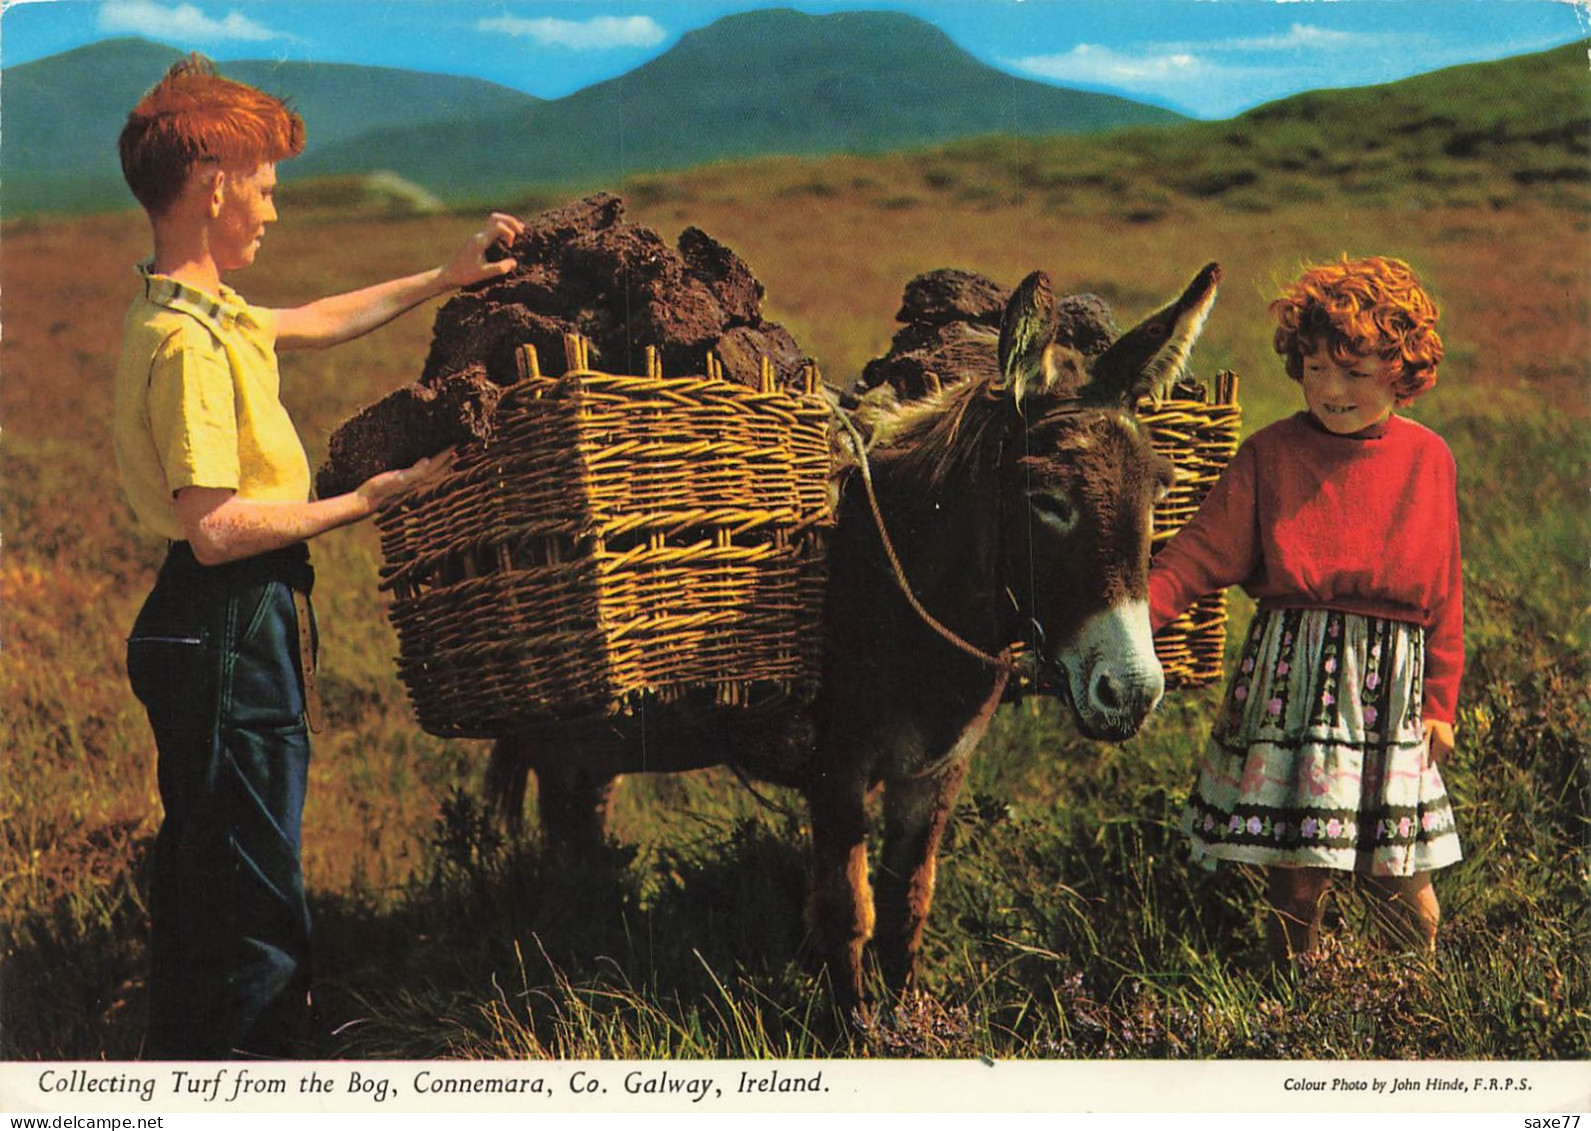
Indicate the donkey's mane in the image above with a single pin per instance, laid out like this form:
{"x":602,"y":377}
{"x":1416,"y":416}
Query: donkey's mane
{"x":939,"y":436}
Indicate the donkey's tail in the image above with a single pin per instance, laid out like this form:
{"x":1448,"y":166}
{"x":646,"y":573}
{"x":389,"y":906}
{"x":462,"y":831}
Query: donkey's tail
{"x":507,"y":777}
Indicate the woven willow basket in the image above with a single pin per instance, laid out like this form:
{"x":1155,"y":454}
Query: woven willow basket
{"x":620,"y":538}
{"x":1200,"y":437}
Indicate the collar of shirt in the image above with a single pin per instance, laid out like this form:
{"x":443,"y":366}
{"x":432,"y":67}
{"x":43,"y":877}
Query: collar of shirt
{"x":222,"y":312}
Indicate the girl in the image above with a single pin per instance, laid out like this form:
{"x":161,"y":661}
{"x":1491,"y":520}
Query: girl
{"x":1341,"y":521}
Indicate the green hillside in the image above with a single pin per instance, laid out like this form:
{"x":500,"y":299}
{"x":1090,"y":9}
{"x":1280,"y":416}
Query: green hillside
{"x":1478,"y":134}
{"x":63,"y":114}
{"x":758,"y":83}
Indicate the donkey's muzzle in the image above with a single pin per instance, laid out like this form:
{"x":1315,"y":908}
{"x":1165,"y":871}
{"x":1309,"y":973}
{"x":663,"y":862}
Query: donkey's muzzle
{"x":1111,"y":675}
{"x":1118,"y":701}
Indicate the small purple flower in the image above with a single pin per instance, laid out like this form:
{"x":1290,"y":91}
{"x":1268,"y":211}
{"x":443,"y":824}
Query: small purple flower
{"x":1209,"y":822}
{"x":1371,"y":715}
{"x":1241,"y":694}
{"x":1373,"y":681}
{"x":1309,"y":827}
{"x":1248,"y":664}
{"x":1274,"y":706}
{"x":1254,"y":826}
{"x":1327,"y":699}
{"x":1283,"y":668}
{"x":1235,"y":825}
{"x":1331,"y":664}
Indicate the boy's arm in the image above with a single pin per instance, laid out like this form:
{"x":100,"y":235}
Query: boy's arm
{"x":340,"y":318}
{"x":220,"y":527}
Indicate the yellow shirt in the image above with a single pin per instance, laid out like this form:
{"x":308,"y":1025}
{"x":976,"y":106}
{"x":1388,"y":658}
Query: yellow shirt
{"x":198,"y":403}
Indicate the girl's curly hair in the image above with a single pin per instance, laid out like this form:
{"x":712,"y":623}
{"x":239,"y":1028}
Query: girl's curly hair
{"x":1361,"y":308}
{"x":194,"y":117}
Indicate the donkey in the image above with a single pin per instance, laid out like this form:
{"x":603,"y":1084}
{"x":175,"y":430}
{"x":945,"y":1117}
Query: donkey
{"x":1018,"y":506}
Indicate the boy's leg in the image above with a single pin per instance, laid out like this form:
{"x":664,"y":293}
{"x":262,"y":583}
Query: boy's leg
{"x":230,"y":921}
{"x":1298,"y":902}
{"x":1409,"y":911}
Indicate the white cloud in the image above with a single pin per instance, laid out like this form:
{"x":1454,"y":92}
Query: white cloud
{"x":1089,"y":63}
{"x":180,"y":21}
{"x":1305,"y":37}
{"x":1174,"y":77}
{"x":597,"y":34}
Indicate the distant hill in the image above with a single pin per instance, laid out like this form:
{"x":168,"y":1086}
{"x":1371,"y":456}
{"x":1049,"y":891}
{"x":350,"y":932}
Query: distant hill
{"x":62,"y":114}
{"x":1529,"y":116}
{"x":779,"y":82}
{"x":1476,"y":133}
{"x":1481,"y":134}
{"x":764,"y":82}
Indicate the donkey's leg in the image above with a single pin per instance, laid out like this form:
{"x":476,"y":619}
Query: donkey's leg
{"x":573,"y":801}
{"x":841,"y":901}
{"x":915,"y":812}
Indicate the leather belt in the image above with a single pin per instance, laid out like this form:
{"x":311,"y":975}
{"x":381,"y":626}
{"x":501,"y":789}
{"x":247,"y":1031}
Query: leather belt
{"x":306,"y":662}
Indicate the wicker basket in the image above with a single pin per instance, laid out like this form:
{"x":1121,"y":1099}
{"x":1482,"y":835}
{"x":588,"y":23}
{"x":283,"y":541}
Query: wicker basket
{"x":620,"y":538}
{"x":1200,"y":437}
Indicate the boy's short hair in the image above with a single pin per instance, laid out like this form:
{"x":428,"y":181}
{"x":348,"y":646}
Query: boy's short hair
{"x":192,"y":117}
{"x":1361,"y":308}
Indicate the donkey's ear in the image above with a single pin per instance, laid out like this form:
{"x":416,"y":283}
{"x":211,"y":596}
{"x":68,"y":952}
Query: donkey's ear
{"x":1026,"y":331}
{"x":1146,"y":360}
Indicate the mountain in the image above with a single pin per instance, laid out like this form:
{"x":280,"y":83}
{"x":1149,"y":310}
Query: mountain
{"x":763,"y":82}
{"x":62,"y":114}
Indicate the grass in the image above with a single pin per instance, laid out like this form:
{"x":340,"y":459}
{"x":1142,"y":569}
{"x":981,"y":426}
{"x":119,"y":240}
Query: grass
{"x":1068,"y":922}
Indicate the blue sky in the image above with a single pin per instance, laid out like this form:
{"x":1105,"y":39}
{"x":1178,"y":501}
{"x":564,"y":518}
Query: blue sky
{"x":1209,"y":58}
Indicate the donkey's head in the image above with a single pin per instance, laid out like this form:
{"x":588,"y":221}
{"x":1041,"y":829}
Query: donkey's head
{"x":1080,"y":480}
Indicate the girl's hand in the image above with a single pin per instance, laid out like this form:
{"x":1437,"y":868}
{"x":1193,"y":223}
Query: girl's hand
{"x":469,"y":263}
{"x":381,"y":490}
{"x":1438,"y":742}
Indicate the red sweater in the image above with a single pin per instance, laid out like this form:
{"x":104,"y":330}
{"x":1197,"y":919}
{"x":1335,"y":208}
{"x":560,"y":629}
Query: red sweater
{"x":1306,"y":519}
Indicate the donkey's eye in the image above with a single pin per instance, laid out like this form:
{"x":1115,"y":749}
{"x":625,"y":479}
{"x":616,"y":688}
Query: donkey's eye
{"x":1054,"y":511}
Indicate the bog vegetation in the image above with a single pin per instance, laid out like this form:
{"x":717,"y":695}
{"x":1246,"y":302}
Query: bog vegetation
{"x":1069,"y":923}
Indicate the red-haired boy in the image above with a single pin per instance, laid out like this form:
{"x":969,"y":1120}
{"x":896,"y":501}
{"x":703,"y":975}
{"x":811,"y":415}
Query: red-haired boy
{"x":220,"y":652}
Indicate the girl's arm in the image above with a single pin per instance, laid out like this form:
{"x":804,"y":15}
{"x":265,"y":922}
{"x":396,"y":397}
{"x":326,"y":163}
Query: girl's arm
{"x":220,"y":527}
{"x":1444,"y":637}
{"x":1216,"y":548}
{"x":340,"y":318}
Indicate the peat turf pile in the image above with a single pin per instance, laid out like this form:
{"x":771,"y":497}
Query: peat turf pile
{"x":951,"y":331}
{"x":583,"y":269}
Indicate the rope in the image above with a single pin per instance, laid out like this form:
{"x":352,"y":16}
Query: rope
{"x":1002,"y":662}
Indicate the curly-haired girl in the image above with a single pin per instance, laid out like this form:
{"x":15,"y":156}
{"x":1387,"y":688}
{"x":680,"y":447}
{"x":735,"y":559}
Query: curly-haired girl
{"x":1341,"y":521}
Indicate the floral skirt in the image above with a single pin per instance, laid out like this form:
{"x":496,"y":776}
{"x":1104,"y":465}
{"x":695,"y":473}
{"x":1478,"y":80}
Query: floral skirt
{"x":1318,"y":756}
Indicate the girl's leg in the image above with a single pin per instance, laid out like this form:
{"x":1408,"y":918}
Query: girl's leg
{"x":1298,"y":901}
{"x":1410,"y":910}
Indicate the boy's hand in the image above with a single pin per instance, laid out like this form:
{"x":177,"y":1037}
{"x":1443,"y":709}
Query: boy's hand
{"x":381,"y":490}
{"x":469,"y":263}
{"x":1438,"y":742}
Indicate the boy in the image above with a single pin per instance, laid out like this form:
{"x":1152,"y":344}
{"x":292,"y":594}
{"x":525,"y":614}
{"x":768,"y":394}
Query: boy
{"x":222,"y":652}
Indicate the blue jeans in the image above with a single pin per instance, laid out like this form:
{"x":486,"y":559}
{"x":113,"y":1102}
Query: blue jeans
{"x":214,"y":658}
